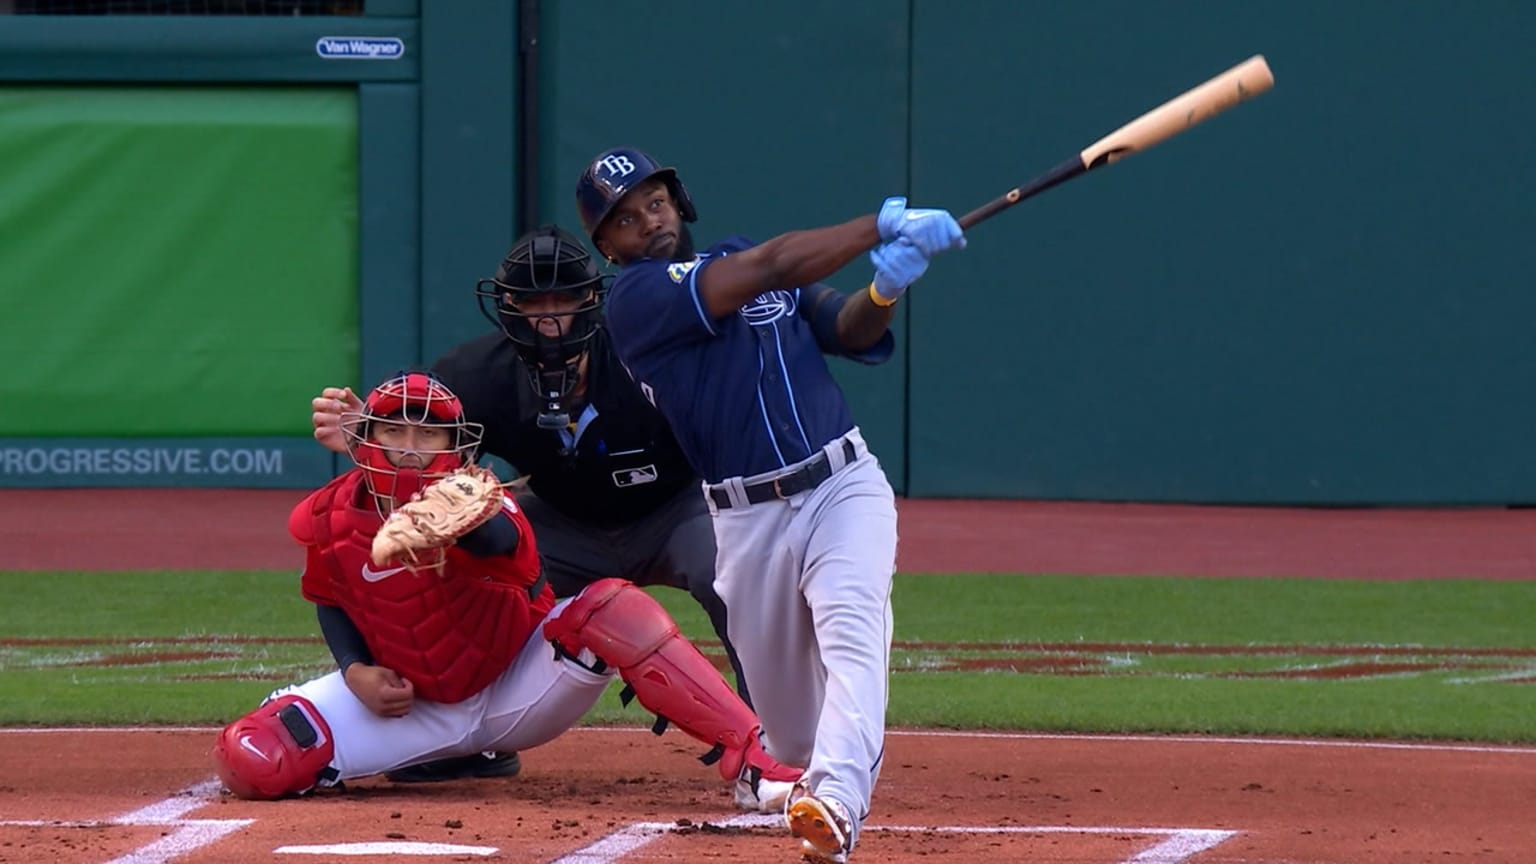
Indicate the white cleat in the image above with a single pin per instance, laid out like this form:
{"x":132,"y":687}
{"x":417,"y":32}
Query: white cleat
{"x":762,"y":795}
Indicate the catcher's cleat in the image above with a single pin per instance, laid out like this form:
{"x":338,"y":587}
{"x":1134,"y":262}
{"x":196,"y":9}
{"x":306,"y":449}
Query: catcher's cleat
{"x":822,"y":826}
{"x":759,"y":793}
{"x":459,"y":768}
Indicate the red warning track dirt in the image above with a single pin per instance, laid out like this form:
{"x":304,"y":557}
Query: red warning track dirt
{"x":107,"y":796}
{"x":180,"y":529}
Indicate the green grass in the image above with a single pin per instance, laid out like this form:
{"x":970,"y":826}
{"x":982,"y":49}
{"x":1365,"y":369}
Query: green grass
{"x":1384,"y":708}
{"x":265,"y":603}
{"x":1047,"y":653}
{"x":1465,"y":613}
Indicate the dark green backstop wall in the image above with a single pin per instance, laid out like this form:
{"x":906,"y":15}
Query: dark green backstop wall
{"x":1324,"y":296}
{"x":1321,"y":297}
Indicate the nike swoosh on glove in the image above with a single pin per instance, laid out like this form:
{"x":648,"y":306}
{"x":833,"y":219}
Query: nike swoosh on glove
{"x":897,"y":265}
{"x":932,"y":231}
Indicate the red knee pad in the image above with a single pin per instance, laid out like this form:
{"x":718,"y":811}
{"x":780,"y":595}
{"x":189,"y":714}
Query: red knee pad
{"x":627,"y":629}
{"x":617,"y":621}
{"x":282,"y":748}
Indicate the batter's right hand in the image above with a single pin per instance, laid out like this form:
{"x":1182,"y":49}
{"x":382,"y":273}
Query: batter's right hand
{"x":328,"y":407}
{"x":381,"y":689}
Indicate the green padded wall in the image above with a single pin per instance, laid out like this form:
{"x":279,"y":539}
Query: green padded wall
{"x":468,"y":163}
{"x":1323,"y":296}
{"x":174,"y":261}
{"x":778,"y":116}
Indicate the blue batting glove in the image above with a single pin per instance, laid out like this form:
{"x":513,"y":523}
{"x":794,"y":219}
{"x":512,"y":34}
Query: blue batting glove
{"x":932,"y":231}
{"x":897,"y":265}
{"x":889,"y":218}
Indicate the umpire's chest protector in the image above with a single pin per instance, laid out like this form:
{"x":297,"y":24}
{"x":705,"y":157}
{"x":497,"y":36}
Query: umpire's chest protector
{"x":450,"y":631}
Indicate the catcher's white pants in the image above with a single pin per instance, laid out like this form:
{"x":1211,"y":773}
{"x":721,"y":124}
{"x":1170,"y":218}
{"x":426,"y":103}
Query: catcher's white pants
{"x":807,"y":583}
{"x":536,"y":699}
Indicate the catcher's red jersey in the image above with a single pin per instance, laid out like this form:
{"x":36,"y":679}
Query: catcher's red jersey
{"x":451,"y":632}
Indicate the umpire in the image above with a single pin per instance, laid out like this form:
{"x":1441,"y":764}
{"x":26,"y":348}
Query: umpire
{"x":609,"y":491}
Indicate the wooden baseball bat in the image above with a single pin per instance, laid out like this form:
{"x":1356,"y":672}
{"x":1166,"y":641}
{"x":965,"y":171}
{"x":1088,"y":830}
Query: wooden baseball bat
{"x":1241,"y":82}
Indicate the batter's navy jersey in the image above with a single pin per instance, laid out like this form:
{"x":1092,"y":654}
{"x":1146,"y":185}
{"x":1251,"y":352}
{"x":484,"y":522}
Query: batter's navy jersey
{"x":745,"y":394}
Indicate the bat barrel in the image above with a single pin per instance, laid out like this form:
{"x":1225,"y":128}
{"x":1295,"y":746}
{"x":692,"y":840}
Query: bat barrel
{"x":1240,"y":83}
{"x":1196,"y":105}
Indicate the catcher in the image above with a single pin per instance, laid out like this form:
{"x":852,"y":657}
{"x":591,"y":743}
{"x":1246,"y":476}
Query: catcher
{"x":427,"y":585}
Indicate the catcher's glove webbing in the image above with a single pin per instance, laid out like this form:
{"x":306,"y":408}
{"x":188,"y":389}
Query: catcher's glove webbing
{"x":438,"y":515}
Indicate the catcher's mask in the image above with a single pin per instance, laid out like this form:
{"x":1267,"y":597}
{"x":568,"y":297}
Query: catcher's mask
{"x":427,"y":434}
{"x":547,"y":298}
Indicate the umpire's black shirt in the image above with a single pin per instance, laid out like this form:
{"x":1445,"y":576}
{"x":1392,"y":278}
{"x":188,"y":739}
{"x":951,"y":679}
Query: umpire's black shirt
{"x":625,"y":463}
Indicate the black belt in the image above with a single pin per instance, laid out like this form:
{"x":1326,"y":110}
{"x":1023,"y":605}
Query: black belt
{"x":803,"y":479}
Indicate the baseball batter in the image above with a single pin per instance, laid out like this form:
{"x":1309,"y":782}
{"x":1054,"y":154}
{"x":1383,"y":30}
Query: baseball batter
{"x":452,"y":656}
{"x":729,"y":343}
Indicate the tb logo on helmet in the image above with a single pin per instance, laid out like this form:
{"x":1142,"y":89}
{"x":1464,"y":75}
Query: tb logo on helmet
{"x":612,"y":175}
{"x":617,"y":165}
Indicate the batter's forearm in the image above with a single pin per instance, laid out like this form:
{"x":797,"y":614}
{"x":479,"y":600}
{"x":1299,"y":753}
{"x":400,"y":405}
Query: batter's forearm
{"x":783,"y":262}
{"x":862,"y":322}
{"x":802,"y":257}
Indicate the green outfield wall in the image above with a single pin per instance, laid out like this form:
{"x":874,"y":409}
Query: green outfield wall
{"x":185,"y":258}
{"x":803,"y":127}
{"x":1321,"y":297}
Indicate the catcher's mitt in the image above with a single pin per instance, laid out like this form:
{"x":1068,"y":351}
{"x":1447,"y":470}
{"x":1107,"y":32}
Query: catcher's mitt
{"x":439,"y":514}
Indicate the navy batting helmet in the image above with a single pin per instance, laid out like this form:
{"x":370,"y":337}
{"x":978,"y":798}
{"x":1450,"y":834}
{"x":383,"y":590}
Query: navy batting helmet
{"x":612,"y":175}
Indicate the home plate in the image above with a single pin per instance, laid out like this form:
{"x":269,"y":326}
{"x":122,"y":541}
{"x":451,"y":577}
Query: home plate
{"x":396,"y":847}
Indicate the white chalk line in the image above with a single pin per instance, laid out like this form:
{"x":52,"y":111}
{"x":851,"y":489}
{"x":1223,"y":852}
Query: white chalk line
{"x":187,"y":835}
{"x":1177,"y":846}
{"x":1180,"y":844}
{"x":390,"y":848}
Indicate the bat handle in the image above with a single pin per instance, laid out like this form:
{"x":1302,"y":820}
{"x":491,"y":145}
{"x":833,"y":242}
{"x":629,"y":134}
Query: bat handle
{"x":1060,"y":174}
{"x":990,"y":209}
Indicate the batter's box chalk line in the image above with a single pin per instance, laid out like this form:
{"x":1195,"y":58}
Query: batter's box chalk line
{"x":1176,"y":846}
{"x":186,"y":834}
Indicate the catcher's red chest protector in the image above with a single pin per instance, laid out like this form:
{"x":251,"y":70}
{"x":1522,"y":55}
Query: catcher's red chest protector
{"x":451,"y":632}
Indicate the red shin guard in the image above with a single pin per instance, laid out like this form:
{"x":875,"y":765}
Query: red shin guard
{"x":628,"y":630}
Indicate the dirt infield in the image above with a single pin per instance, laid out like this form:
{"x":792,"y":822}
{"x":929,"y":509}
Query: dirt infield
{"x":611,"y":796}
